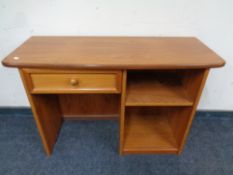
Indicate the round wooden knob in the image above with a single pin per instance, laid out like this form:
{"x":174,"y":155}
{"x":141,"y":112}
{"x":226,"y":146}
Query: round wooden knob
{"x":73,"y":82}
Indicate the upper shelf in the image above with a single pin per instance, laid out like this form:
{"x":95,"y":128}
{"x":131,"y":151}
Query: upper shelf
{"x":113,"y":53}
{"x":155,"y":93}
{"x":158,"y":88}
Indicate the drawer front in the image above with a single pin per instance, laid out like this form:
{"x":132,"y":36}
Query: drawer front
{"x":84,"y":82}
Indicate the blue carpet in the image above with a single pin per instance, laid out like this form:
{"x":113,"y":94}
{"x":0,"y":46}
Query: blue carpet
{"x":91,"y":147}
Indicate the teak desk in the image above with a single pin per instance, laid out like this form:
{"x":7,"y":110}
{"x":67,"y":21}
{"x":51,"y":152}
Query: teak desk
{"x":152,"y":84}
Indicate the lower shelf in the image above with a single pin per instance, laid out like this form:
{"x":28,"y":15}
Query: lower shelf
{"x":148,"y":131}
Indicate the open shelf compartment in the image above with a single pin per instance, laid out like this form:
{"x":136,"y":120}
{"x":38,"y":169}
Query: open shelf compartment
{"x":161,"y":88}
{"x":154,"y":130}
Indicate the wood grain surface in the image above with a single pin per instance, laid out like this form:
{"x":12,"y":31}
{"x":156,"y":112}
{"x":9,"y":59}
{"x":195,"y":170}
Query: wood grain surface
{"x":113,"y":53}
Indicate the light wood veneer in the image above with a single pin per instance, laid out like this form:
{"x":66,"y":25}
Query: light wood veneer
{"x":65,"y":82}
{"x":113,"y":53}
{"x":157,"y":89}
{"x":149,"y":131}
{"x":151,"y":84}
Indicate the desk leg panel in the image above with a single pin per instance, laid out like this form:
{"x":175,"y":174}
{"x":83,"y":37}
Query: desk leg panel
{"x":196,"y":90}
{"x":47,"y":114}
{"x":122,"y":112}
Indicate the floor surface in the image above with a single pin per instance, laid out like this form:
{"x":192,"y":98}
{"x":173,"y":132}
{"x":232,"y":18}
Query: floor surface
{"x":91,"y":147}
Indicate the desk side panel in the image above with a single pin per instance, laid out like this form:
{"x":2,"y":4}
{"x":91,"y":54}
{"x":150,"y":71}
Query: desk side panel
{"x":46,"y":112}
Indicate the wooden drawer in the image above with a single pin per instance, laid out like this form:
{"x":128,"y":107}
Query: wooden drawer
{"x":74,"y":81}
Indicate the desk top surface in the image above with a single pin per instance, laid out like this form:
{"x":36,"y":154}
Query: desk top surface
{"x":113,"y":53}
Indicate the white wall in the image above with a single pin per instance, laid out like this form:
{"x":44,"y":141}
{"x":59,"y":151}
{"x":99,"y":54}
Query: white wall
{"x":209,"y":20}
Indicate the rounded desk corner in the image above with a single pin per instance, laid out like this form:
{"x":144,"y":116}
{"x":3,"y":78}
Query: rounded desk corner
{"x":10,"y":62}
{"x":221,"y":63}
{"x":6,"y":63}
